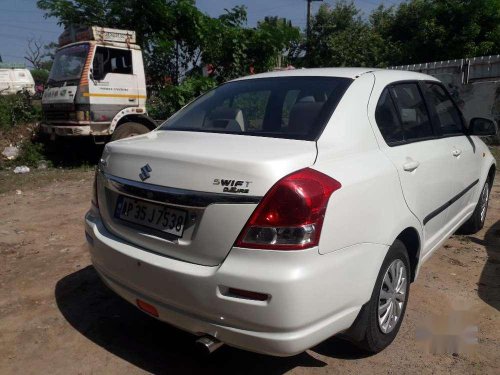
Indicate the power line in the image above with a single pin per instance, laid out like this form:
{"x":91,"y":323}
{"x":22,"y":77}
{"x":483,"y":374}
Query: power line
{"x":12,"y":36}
{"x":29,"y":28}
{"x":19,"y":37}
{"x":17,"y":57}
{"x":273,"y":8}
{"x":19,"y":10}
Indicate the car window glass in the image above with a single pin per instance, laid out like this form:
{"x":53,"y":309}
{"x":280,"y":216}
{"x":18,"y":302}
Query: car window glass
{"x":290,"y":99}
{"x":412,"y":111}
{"x":448,"y":117}
{"x":284,"y":107}
{"x":253,"y":107}
{"x":387,"y":119}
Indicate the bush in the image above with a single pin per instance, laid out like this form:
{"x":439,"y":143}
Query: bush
{"x":40,"y":76}
{"x":30,"y":153}
{"x":17,"y":109}
{"x":172,"y":98}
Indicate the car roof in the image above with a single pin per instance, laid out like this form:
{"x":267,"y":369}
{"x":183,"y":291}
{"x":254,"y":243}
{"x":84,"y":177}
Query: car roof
{"x":353,"y":73}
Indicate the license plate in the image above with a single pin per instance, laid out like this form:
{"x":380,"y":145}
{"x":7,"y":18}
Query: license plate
{"x":151,"y":215}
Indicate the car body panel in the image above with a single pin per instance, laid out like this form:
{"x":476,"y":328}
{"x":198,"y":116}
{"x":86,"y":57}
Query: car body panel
{"x":303,"y":308}
{"x":440,"y":175}
{"x":250,"y":165}
{"x":464,"y":173}
{"x":208,"y":156}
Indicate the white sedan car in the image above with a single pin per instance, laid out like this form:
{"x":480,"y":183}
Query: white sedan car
{"x":280,"y":209}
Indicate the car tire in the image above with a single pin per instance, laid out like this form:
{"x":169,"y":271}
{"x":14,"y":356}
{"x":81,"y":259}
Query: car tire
{"x":476,"y":222}
{"x":370,"y":332}
{"x":129,"y":129}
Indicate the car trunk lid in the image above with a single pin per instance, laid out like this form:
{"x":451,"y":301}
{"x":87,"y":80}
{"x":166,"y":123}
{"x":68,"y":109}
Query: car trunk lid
{"x":216,"y":179}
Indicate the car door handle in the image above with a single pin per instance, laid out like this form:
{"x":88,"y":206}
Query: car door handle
{"x":131,"y":99}
{"x":456,"y":152}
{"x":410,"y":166}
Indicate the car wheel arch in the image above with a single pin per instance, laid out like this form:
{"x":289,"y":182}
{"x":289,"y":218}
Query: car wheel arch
{"x":411,"y":239}
{"x":491,"y":175}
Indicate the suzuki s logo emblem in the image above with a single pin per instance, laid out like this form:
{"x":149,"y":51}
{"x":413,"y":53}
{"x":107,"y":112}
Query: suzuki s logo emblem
{"x":144,"y":175}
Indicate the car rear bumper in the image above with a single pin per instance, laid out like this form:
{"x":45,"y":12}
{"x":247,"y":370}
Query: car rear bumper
{"x":312,"y":296}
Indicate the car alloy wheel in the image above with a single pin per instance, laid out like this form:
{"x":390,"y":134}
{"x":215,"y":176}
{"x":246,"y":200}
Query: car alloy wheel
{"x":392,"y":296}
{"x":483,"y":201}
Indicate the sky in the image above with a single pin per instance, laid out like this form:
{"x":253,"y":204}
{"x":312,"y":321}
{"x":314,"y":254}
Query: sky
{"x":21,"y":20}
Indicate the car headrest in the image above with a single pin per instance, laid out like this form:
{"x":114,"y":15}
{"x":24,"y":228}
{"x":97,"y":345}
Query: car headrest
{"x":225,"y":118}
{"x":306,"y":99}
{"x":302,"y":115}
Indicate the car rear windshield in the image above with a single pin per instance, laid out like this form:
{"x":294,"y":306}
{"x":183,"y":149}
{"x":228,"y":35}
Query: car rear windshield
{"x":281,"y":107}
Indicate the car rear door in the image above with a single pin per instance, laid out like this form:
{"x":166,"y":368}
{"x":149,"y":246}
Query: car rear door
{"x":420,"y":158}
{"x":465,"y":168}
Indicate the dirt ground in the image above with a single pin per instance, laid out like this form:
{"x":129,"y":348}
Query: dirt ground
{"x":57,"y":317}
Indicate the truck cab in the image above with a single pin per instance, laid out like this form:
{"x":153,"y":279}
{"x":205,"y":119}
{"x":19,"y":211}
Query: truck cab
{"x":96,"y":86}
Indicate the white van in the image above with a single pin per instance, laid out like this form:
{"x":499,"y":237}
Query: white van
{"x":15,"y":80}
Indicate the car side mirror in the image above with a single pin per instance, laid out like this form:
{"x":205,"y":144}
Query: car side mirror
{"x":482,"y":127}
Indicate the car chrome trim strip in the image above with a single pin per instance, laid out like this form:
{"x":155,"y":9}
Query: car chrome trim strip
{"x":436,"y":212}
{"x":174,"y":196}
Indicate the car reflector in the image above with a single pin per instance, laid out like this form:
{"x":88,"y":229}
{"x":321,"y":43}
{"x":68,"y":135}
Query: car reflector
{"x":247,"y":294}
{"x":146,"y":307}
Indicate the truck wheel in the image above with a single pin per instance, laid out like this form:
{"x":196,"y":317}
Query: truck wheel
{"x":476,"y":221}
{"x":128,"y":129}
{"x":379,"y":320}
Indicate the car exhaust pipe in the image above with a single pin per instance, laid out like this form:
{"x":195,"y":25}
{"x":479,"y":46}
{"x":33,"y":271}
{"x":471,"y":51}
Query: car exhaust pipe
{"x":208,"y":344}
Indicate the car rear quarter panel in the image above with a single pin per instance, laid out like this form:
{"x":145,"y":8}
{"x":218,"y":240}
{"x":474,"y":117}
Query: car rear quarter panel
{"x":369,"y":207}
{"x":487,"y":160}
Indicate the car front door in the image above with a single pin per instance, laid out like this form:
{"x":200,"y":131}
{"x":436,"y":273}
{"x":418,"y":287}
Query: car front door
{"x":420,"y":158}
{"x":461,"y":149}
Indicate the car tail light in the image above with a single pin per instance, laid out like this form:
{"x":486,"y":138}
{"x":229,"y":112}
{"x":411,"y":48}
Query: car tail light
{"x":94,"y":199}
{"x":291,"y":214}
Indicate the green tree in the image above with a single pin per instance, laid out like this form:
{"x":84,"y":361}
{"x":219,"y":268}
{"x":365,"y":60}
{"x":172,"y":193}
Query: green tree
{"x":413,"y":32}
{"x":232,"y":50}
{"x":430,"y":30}
{"x":40,"y":75}
{"x":172,"y":98}
{"x":273,"y":39}
{"x":340,"y":37}
{"x":178,"y":39}
{"x":169,"y":32}
{"x":225,"y":44}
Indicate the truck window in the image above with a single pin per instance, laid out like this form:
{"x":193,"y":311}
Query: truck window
{"x":114,"y":60}
{"x":68,"y":63}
